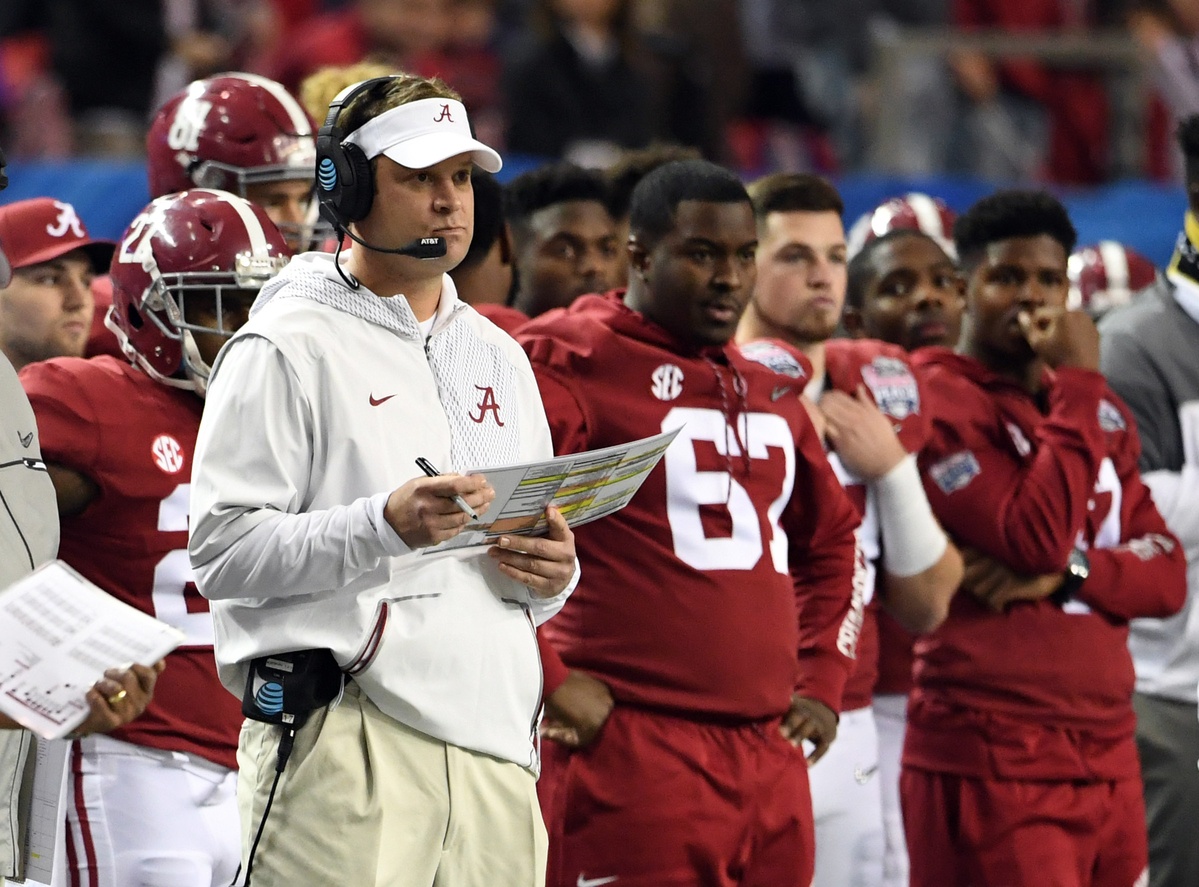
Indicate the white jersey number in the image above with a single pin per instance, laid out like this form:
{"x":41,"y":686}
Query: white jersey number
{"x":688,"y":488}
{"x":174,"y":573}
{"x":1108,"y":534}
{"x":184,"y":134}
{"x":869,"y":532}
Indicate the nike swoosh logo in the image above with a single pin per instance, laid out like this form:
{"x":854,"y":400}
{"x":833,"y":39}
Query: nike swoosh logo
{"x":375,"y":403}
{"x":594,"y":882}
{"x":25,"y":439}
{"x":780,"y":391}
{"x":862,"y":774}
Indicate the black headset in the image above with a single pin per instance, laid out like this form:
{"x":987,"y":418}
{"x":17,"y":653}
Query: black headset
{"x":344,"y":178}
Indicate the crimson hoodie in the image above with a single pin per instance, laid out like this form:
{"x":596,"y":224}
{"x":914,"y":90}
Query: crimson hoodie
{"x":882,"y":369}
{"x":725,"y":584}
{"x":134,"y":437}
{"x":1043,"y":690}
{"x":885,"y":372}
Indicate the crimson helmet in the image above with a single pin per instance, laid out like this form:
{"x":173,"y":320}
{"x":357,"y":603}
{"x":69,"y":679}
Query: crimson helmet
{"x":230,"y":131}
{"x":198,"y":240}
{"x":1106,"y":275}
{"x":913,"y":211}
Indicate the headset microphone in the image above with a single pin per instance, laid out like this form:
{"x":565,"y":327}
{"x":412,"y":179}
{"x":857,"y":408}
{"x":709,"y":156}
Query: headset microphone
{"x":422,"y":248}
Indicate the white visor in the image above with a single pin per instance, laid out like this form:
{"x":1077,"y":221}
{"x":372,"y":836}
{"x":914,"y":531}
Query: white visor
{"x":423,"y":133}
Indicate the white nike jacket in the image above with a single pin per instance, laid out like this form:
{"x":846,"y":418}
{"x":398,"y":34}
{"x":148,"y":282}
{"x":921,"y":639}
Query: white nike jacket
{"x":316,"y":411}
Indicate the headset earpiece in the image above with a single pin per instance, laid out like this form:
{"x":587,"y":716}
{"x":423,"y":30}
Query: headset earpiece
{"x":345,"y":183}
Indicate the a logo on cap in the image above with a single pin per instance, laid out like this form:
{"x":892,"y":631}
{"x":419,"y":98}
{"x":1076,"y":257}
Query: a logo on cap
{"x":67,"y":221}
{"x":444,"y":115}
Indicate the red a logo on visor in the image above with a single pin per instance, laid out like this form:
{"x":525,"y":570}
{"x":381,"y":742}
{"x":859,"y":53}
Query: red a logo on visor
{"x":444,"y":115}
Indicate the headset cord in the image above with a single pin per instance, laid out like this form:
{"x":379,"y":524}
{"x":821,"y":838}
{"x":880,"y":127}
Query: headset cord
{"x":286,"y":741}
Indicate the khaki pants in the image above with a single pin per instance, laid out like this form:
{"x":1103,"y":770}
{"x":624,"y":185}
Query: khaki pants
{"x":366,"y":801}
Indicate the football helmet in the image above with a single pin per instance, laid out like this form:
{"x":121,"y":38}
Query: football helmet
{"x":1106,"y":275}
{"x":198,"y":241}
{"x":231,"y":131}
{"x":914,"y":211}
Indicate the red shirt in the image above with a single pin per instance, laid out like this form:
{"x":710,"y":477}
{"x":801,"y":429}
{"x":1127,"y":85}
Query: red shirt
{"x":725,"y":584}
{"x":894,"y":655}
{"x":1043,"y":690}
{"x":884,"y":371}
{"x":102,"y":340}
{"x":134,"y":438}
{"x":506,"y":317}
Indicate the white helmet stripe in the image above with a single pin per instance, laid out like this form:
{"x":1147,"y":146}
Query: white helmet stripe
{"x":299,"y":120}
{"x":1115,"y":264}
{"x":258,"y":241}
{"x":928,"y":217}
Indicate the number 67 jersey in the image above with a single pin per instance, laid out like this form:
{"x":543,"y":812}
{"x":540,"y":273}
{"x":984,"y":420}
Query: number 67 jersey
{"x":734,"y":562}
{"x":134,"y":437}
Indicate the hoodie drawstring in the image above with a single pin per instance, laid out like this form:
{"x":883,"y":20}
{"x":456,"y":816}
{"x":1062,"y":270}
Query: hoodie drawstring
{"x":734,"y":419}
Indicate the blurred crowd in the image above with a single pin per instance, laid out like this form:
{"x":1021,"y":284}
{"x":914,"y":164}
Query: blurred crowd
{"x":756,"y":84}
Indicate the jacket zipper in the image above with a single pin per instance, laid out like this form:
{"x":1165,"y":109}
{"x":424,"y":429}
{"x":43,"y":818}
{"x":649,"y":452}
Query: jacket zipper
{"x":534,"y":732}
{"x":35,"y":465}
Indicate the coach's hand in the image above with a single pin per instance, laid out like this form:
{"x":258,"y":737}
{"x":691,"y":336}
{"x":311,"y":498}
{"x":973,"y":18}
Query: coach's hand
{"x":545,"y":565}
{"x":812,"y":720}
{"x":577,"y":710}
{"x":422,"y":511}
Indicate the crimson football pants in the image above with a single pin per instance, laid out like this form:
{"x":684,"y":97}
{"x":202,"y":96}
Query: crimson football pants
{"x":662,"y":801}
{"x":1012,"y":833}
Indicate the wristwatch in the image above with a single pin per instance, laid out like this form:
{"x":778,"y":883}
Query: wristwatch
{"x":1078,"y":568}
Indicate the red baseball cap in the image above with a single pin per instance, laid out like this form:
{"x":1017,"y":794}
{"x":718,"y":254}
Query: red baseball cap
{"x":42,"y":229}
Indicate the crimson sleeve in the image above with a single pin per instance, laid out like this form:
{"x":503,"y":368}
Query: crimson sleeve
{"x":66,"y":417}
{"x":967,"y":14}
{"x":1027,"y":515}
{"x":553,"y":669}
{"x":820,"y":522}
{"x":568,"y":428}
{"x":565,"y":412}
{"x":1145,"y":574}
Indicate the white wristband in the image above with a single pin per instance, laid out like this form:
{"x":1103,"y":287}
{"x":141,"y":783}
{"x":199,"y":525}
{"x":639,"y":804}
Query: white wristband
{"x":912,"y":539}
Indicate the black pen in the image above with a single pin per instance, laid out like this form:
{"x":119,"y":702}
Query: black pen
{"x":427,"y":467}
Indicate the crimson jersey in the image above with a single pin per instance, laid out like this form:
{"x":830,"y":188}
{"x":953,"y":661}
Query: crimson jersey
{"x":894,"y":655}
{"x":738,"y":551}
{"x":883,"y":370}
{"x":506,"y":317}
{"x":134,"y":438}
{"x":1043,"y":690}
{"x":102,"y":340}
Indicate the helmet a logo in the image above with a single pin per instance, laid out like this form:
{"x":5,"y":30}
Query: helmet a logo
{"x":184,"y":134}
{"x":167,"y":454}
{"x":67,"y":221}
{"x":444,"y":115}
